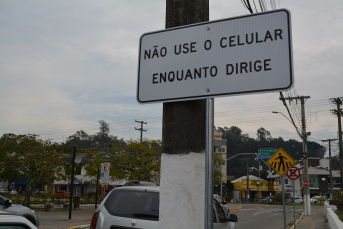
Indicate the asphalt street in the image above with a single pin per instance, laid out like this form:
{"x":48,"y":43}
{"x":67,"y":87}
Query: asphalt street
{"x":265,"y":216}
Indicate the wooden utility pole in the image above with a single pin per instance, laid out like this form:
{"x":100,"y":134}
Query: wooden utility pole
{"x":141,"y":129}
{"x":330,"y":140}
{"x":183,"y":140}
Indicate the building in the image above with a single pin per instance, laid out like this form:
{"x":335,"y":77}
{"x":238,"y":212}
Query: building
{"x":258,"y":188}
{"x":83,"y":184}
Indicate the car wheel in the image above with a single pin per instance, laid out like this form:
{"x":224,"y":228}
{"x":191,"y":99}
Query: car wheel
{"x":315,"y":202}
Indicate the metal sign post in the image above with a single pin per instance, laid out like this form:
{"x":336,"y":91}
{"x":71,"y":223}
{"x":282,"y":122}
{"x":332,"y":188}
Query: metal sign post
{"x":293,"y":174}
{"x":283,"y":203}
{"x":294,"y":204}
{"x":281,"y":162}
{"x":209,"y":164}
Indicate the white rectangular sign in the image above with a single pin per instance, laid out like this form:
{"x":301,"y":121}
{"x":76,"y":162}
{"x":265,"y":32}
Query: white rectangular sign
{"x":105,"y":173}
{"x":240,"y":55}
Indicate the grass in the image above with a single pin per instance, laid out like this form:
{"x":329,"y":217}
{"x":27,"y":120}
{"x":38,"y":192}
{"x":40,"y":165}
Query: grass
{"x":339,"y":214}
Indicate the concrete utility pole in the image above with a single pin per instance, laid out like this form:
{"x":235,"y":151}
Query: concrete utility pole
{"x":141,"y":129}
{"x":305,"y":153}
{"x":339,"y":114}
{"x":330,"y":140}
{"x":182,"y":195}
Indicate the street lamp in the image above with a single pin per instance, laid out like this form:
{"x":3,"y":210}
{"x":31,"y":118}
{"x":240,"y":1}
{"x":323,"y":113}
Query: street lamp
{"x":73,"y":160}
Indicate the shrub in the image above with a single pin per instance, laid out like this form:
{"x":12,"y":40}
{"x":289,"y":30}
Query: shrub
{"x":278,"y":197}
{"x":337,"y":197}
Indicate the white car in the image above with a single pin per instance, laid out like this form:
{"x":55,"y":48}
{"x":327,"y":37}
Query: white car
{"x":314,"y":199}
{"x":12,"y":221}
{"x":297,"y":200}
{"x":138,"y":206}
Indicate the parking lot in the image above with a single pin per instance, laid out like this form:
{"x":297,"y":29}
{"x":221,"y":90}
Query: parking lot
{"x":60,"y":219}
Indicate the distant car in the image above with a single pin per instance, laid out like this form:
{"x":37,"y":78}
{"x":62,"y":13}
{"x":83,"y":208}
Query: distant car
{"x":10,"y":220}
{"x":7,"y":206}
{"x":314,"y":199}
{"x":297,"y":200}
{"x":38,"y":191}
{"x":62,"y":193}
{"x":13,"y":192}
{"x":138,"y":206}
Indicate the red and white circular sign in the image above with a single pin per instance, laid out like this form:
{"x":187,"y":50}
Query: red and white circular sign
{"x":105,"y":168}
{"x":293,"y":173}
{"x":306,"y":183}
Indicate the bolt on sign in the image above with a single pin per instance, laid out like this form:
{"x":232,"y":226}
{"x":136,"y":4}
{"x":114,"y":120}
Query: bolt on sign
{"x":281,"y":162}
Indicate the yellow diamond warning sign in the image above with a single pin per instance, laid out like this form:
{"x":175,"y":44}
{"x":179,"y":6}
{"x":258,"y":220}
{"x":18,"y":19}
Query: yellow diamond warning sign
{"x":281,"y":162}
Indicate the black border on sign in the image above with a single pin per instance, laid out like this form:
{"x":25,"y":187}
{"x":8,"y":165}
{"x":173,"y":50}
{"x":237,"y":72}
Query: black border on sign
{"x":222,"y":94}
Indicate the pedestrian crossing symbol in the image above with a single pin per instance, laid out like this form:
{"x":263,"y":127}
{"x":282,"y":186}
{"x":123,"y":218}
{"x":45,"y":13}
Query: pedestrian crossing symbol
{"x":281,"y":162}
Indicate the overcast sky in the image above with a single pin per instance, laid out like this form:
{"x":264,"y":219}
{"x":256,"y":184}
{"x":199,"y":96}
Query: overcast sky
{"x":65,"y":65}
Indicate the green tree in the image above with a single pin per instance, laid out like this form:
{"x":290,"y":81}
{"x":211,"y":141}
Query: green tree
{"x":80,"y":139}
{"x":217,"y":176}
{"x":34,"y":159}
{"x":101,"y":139}
{"x":263,"y":135}
{"x":136,"y":161}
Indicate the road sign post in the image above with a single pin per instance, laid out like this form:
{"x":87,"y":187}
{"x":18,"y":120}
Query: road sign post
{"x":306,"y":183}
{"x":293,"y":174}
{"x":281,"y":162}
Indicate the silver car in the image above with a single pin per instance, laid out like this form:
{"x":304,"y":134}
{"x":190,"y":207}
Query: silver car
{"x":140,"y":205}
{"x":7,"y":206}
{"x":9,"y":220}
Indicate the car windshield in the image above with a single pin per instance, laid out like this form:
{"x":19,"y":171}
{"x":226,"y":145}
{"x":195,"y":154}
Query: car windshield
{"x":138,"y":204}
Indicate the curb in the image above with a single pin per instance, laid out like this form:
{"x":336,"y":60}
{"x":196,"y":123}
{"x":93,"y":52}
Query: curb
{"x":238,"y":208}
{"x":298,"y":220}
{"x":80,"y":226}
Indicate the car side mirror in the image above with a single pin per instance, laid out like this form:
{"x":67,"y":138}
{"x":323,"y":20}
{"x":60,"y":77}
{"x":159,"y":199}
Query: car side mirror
{"x":8,"y":203}
{"x":224,"y":202}
{"x":233,"y":218}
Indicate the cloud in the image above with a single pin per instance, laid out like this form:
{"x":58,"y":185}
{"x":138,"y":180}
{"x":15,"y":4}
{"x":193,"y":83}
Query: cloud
{"x":65,"y":65}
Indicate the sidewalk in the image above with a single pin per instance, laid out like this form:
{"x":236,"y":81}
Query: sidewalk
{"x":316,"y":220}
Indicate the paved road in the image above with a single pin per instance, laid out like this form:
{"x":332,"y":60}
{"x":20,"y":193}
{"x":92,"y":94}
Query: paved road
{"x":264,"y":216}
